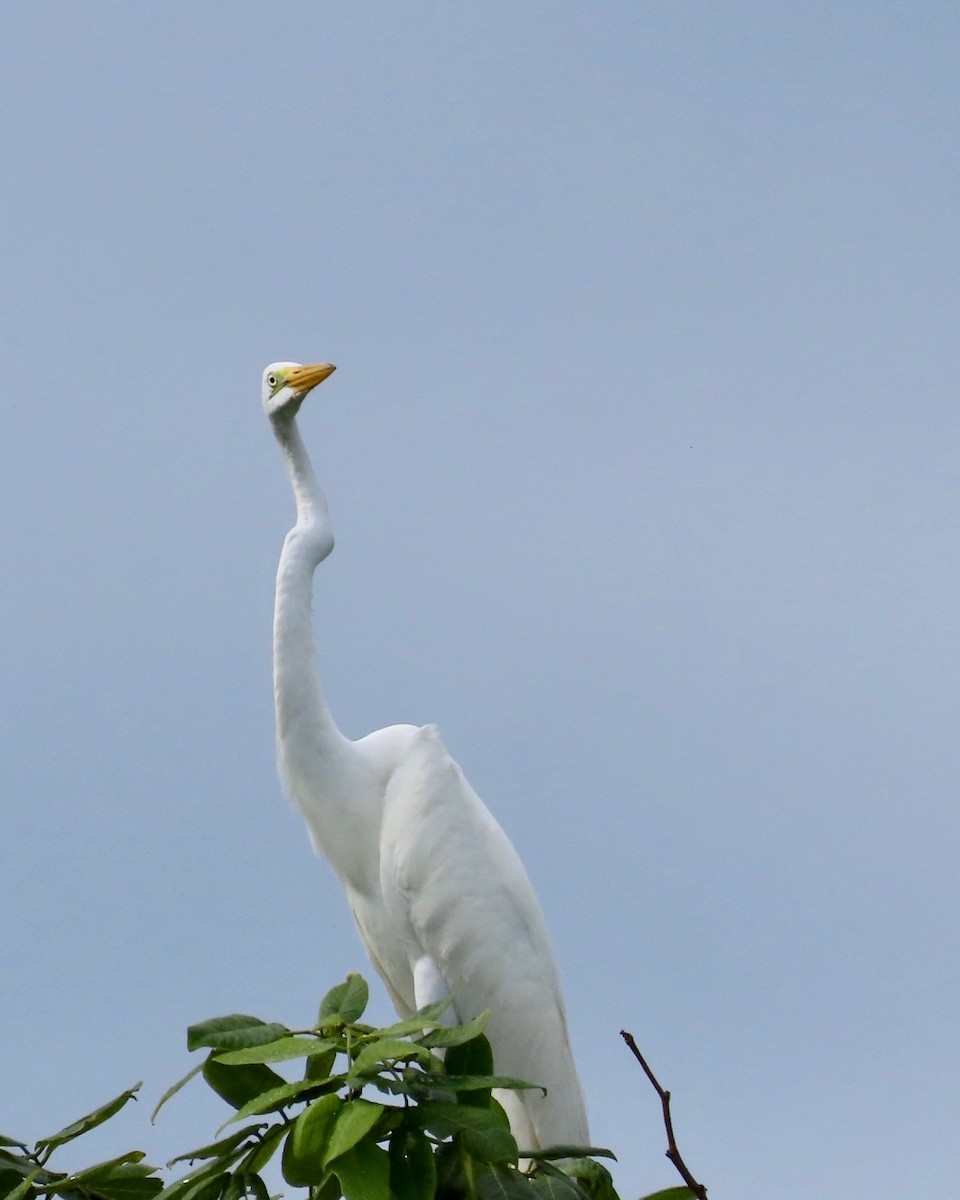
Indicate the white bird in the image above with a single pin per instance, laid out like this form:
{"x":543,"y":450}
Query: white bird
{"x":441,"y":899}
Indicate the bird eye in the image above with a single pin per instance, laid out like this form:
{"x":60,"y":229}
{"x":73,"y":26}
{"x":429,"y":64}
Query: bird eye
{"x":272,"y":380}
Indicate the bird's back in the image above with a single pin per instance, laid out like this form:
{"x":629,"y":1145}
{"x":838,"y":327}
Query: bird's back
{"x":458,"y":893}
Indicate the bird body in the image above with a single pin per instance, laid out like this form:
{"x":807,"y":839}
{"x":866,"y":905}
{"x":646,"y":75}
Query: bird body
{"x":441,"y":899}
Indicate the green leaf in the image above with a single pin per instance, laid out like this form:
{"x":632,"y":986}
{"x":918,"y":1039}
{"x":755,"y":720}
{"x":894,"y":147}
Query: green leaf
{"x":254,"y":1186}
{"x":449,"y":1163}
{"x":425,"y":1018}
{"x":354,"y":1121}
{"x":364,"y":1173}
{"x":305,"y":1151}
{"x":281,"y":1050}
{"x":415,"y":1024}
{"x":9,"y":1141}
{"x":221,"y":1147}
{"x":550,"y":1153}
{"x":263,"y":1151}
{"x":556,"y":1186}
{"x":234,"y":1032}
{"x":384,"y":1050}
{"x":319,"y":1065}
{"x":201,"y":1173}
{"x":455,"y":1035}
{"x":234,"y":1189}
{"x":592,"y":1177}
{"x":239,"y":1085}
{"x":503,"y":1183}
{"x":432,"y":1012}
{"x":90,"y":1121}
{"x":24,"y":1187}
{"x":17,"y":1164}
{"x":172,"y":1091}
{"x":104,"y":1168}
{"x":246,"y":1184}
{"x":345,"y":1003}
{"x":474,"y":1083}
{"x":396,"y":1087}
{"x":329,"y":1189}
{"x":413,"y":1170}
{"x":586,"y":1189}
{"x":202,"y":1184}
{"x":473,"y":1057}
{"x":484,"y":1132}
{"x":211,"y":1190}
{"x":275,"y":1099}
{"x":128,"y":1181}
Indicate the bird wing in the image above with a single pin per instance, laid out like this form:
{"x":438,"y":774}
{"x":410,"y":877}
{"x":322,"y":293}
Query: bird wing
{"x":462,"y":899}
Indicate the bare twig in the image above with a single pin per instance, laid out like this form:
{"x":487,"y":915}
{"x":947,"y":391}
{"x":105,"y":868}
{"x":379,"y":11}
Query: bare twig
{"x":698,"y":1189}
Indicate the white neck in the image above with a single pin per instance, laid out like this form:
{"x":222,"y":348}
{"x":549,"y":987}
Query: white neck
{"x":296,"y":680}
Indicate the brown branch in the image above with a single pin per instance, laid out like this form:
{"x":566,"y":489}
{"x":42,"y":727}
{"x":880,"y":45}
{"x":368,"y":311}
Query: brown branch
{"x":673,"y":1153}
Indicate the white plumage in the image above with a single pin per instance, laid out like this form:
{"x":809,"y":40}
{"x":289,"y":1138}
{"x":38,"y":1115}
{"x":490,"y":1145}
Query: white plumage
{"x":441,"y":899}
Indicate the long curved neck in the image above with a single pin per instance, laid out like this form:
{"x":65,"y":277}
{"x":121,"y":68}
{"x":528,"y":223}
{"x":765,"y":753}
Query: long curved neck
{"x":300,"y":704}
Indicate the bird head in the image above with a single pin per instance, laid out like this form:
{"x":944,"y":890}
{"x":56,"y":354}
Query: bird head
{"x":286,"y":383}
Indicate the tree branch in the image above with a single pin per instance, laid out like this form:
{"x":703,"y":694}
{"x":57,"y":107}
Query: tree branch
{"x":698,"y":1189}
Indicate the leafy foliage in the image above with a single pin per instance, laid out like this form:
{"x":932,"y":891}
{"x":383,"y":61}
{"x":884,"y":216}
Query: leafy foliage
{"x":24,"y":1174}
{"x":402,"y":1113}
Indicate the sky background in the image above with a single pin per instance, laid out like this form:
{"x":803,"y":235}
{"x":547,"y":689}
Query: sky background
{"x":642,"y":455}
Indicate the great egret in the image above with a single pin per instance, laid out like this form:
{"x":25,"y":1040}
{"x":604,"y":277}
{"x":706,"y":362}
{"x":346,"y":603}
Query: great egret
{"x":441,"y":899}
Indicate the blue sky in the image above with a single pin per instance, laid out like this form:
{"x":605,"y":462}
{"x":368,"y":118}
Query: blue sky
{"x":642,"y":456}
